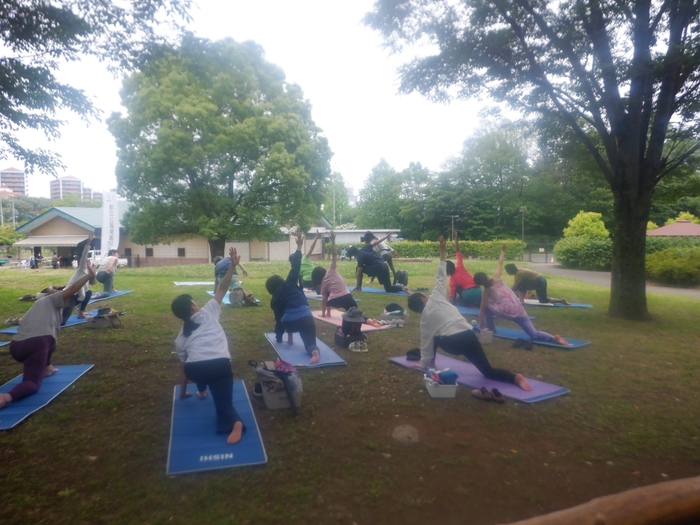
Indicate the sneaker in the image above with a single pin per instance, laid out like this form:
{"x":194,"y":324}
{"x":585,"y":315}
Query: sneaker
{"x":257,"y":389}
{"x":358,"y":346}
{"x":398,"y":323}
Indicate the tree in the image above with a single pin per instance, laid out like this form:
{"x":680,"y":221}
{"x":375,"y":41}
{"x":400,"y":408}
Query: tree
{"x":335,"y":203}
{"x":587,"y":224}
{"x":37,"y":36}
{"x":380,"y":198}
{"x":8,"y":235}
{"x":622,"y":75}
{"x":216,"y":143}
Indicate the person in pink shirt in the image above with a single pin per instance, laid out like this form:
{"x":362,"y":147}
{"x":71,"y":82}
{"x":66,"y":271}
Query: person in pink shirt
{"x":334,"y":290}
{"x":463,"y":289}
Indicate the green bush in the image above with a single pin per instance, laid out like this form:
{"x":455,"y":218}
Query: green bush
{"x":431,"y":249}
{"x":675,"y":266}
{"x":584,"y":253}
{"x":657,"y":244}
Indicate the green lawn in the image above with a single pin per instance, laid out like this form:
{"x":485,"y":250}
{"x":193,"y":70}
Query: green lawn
{"x":97,"y":454}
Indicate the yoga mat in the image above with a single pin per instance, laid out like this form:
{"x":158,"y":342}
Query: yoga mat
{"x":194,"y":444}
{"x":226,"y":299}
{"x":111,"y":296}
{"x":469,"y":310}
{"x":3,"y":343}
{"x":535,"y":302}
{"x":511,"y":333}
{"x":382,"y":290}
{"x":72,"y":321}
{"x":296,"y":354}
{"x":337,"y":320}
{"x":17,"y":411}
{"x":317,"y":296}
{"x":471,"y":377}
{"x":193,"y":283}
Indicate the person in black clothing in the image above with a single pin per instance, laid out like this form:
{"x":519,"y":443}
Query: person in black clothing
{"x":292,"y":312}
{"x":371,"y":263}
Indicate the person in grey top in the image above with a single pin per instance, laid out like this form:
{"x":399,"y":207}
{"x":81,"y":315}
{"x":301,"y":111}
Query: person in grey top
{"x":36,"y":339}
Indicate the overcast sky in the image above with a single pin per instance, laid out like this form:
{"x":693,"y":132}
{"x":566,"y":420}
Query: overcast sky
{"x":322,"y":45}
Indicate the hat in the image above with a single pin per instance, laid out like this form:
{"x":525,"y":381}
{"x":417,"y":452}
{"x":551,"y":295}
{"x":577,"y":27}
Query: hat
{"x":369,"y":236}
{"x":393,"y":307}
{"x":413,"y":354}
{"x":354,"y":315}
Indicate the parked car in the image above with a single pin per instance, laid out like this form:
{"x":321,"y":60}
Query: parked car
{"x":95,"y":257}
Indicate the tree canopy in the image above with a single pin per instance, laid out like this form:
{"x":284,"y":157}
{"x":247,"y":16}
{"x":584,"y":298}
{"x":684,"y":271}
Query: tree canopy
{"x":38,"y":36}
{"x":216,"y":143}
{"x":621,"y":76}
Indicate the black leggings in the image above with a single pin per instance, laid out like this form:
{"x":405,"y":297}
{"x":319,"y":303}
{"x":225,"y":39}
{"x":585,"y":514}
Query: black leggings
{"x":466,"y":344}
{"x":74,"y":301}
{"x":217,"y":375}
{"x":307,"y":330}
{"x":539,"y":285}
{"x":384,"y":279}
{"x":346,"y":302}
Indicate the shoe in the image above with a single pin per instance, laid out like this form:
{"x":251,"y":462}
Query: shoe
{"x":497,"y":396}
{"x":528,"y":345}
{"x":398,"y":323}
{"x":358,"y":346}
{"x":483,"y":394}
{"x":257,"y":389}
{"x":519,"y":342}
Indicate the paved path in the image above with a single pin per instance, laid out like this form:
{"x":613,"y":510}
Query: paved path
{"x":603,"y":279}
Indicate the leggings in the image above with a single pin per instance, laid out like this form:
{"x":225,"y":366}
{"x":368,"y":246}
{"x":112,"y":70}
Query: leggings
{"x":307,"y":330}
{"x":388,"y":259}
{"x":538,"y":284}
{"x":346,"y":302}
{"x":384,"y":279}
{"x":35,"y":354}
{"x":74,"y":301}
{"x":217,"y":375}
{"x":466,"y":344}
{"x":522,"y":322}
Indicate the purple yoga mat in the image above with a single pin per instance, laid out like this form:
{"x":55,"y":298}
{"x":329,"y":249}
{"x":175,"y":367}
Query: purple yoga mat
{"x":471,"y":377}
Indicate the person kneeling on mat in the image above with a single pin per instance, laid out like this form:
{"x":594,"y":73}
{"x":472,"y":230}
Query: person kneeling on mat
{"x":372,"y":264}
{"x":441,"y":325}
{"x":334,"y":290}
{"x":292,"y":312}
{"x":204,"y":355}
{"x":526,"y":279}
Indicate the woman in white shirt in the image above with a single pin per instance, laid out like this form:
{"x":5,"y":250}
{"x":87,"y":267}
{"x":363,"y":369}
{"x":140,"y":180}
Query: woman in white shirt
{"x":108,"y":267}
{"x":204,"y":355}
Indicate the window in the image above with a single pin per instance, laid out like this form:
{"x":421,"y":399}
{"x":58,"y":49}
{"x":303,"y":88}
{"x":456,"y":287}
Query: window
{"x":149,"y":252}
{"x":127,"y":252}
{"x":180,"y":252}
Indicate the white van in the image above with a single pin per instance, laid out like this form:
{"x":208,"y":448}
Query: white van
{"x":95,"y":257}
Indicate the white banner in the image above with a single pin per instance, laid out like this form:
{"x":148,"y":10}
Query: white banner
{"x":110,"y":223}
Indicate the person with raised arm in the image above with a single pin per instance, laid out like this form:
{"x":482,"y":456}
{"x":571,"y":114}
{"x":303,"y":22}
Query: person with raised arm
{"x":37,"y":336}
{"x":462,"y":285}
{"x":205,"y":358}
{"x":221,"y":266}
{"x":307,"y":267}
{"x":498,"y":300}
{"x":292,"y":312}
{"x":442,"y":326}
{"x":84,"y":294}
{"x":371,"y":263}
{"x":334,"y":290}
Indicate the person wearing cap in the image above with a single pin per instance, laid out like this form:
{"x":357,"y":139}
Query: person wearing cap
{"x":441,"y":325}
{"x":462,"y":285}
{"x":526,"y":279}
{"x":334,"y":290}
{"x":371,"y":263}
{"x":204,"y":355}
{"x":292,"y":312}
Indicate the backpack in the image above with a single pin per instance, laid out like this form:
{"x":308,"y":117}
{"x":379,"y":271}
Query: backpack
{"x":401,"y":277}
{"x":249,"y":299}
{"x":343,"y":340}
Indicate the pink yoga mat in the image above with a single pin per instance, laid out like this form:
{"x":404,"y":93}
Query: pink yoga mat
{"x":471,"y":377}
{"x":336,"y":319}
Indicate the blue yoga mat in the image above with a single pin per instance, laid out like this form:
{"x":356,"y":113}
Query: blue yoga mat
{"x":382,"y":290}
{"x":194,"y":444}
{"x":17,"y":411}
{"x":110,"y":296}
{"x":535,"y":302}
{"x":511,"y":333}
{"x":3,"y":343}
{"x":296,"y":354}
{"x":469,"y":376}
{"x":72,"y":321}
{"x":226,"y":299}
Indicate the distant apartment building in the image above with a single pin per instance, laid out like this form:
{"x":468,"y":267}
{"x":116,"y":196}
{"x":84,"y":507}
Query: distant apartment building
{"x":14,"y":179}
{"x":70,"y":185}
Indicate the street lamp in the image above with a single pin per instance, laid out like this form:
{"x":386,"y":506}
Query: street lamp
{"x":453,"y":222}
{"x":522,"y":223}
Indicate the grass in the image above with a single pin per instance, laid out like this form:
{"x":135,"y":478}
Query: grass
{"x":97,"y":454}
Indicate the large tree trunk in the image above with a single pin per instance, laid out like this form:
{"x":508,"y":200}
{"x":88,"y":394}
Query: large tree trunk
{"x":217,"y":247}
{"x":628,"y":283}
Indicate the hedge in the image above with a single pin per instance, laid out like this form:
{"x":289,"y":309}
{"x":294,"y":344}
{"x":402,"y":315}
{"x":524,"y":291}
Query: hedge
{"x":431,"y":249}
{"x":584,"y":253}
{"x":675,"y":266}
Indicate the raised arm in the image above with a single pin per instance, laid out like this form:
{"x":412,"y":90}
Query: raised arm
{"x":501,"y":258}
{"x":334,"y":256}
{"x":310,"y":251}
{"x":455,"y":238}
{"x":377,"y":241}
{"x":443,"y":248}
{"x":226,"y":281}
{"x":69,"y":291}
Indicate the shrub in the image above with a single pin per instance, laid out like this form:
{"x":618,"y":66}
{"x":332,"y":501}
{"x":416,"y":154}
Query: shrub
{"x":587,"y":224}
{"x":675,"y":266}
{"x":584,"y":253}
{"x":656,"y":244}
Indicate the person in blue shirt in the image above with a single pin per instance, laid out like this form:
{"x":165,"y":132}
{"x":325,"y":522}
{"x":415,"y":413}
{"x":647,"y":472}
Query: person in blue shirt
{"x":371,"y":263}
{"x":292,"y":312}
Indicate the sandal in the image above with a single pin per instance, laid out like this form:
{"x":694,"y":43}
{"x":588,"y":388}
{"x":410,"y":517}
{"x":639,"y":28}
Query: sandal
{"x":497,"y":396}
{"x":483,"y":394}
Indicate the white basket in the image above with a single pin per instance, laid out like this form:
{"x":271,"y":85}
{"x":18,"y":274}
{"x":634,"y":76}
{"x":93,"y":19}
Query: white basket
{"x":438,"y":390}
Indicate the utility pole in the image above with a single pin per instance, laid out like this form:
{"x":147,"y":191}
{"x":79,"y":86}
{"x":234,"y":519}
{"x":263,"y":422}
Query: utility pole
{"x":522,"y":223}
{"x":453,"y":222}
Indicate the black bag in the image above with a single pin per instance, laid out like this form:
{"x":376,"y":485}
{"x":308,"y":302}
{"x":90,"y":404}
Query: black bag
{"x":343,"y":341}
{"x":401,"y":277}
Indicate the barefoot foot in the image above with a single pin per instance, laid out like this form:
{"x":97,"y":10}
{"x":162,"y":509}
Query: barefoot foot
{"x":50,"y":370}
{"x":522,"y":382}
{"x":5,"y":399}
{"x":235,"y":435}
{"x":560,"y":340}
{"x":315,"y":356}
{"x":202,"y":395}
{"x":81,"y":315}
